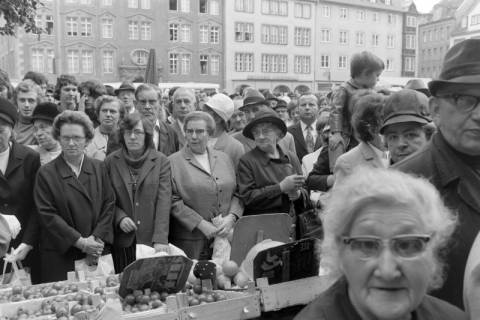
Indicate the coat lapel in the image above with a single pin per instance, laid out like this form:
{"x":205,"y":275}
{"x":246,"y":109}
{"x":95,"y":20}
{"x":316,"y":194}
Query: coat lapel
{"x":67,"y":174}
{"x":15,"y":160}
{"x":296,"y":131}
{"x":187,"y":153}
{"x":147,"y":167}
{"x":369,"y":155}
{"x":121,"y":166}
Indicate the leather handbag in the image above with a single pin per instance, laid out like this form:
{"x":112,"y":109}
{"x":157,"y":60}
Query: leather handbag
{"x":309,"y":224}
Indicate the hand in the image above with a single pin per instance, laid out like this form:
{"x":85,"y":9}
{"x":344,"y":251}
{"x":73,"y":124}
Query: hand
{"x":292,"y":183}
{"x":294,"y":195}
{"x":127,"y":225}
{"x":161,"y":247}
{"x":330,"y":180}
{"x":91,"y":260}
{"x":227,"y":224}
{"x":207,"y":228}
{"x":89,"y":246}
{"x":20,"y":252}
{"x":335,"y":140}
{"x":13,"y":224}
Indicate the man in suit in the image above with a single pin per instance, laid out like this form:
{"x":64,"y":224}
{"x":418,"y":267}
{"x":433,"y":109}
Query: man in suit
{"x":183,"y":102}
{"x":304,"y":132}
{"x":451,"y":159}
{"x":148,"y":104}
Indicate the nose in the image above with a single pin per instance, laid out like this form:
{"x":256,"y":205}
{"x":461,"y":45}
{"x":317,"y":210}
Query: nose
{"x":476,"y":112}
{"x":387,"y":266}
{"x":402,"y":142}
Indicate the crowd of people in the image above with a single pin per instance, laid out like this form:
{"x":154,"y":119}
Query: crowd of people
{"x":88,"y":170}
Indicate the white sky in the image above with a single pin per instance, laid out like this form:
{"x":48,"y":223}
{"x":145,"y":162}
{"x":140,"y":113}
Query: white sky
{"x":424,"y":6}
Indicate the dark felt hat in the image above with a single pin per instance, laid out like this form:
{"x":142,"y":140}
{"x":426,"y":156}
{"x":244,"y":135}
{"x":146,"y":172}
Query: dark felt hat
{"x":406,"y":105}
{"x":461,"y":65}
{"x":270,"y":96}
{"x":280,"y":104}
{"x":265,"y":116}
{"x":45,"y":111}
{"x":418,"y":85}
{"x":125,"y":86}
{"x":8,"y":112}
{"x":252,"y":97}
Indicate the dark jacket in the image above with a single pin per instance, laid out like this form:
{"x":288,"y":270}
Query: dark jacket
{"x":459,"y":187}
{"x":151,"y":210}
{"x":300,"y":144}
{"x":317,"y":178}
{"x":70,"y":208}
{"x":178,"y":131}
{"x":168,"y":140}
{"x":334,"y":304}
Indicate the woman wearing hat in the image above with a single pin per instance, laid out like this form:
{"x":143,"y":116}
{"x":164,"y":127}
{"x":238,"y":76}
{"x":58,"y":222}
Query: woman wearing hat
{"x":221,"y":107}
{"x":42,"y":118}
{"x":269,"y":177}
{"x":18,"y":167}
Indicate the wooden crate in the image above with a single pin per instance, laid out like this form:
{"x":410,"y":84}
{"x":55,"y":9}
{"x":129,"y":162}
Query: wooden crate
{"x":152,"y":315}
{"x":238,"y":306}
{"x":290,"y":293}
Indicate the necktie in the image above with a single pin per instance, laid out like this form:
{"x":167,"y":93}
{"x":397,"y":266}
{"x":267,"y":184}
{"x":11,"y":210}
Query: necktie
{"x":309,"y":140}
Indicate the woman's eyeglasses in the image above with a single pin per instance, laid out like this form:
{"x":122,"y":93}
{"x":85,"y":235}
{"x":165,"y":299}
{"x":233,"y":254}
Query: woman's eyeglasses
{"x":198,"y":132}
{"x":136,"y":133}
{"x":404,"y":246}
{"x":75,"y":139}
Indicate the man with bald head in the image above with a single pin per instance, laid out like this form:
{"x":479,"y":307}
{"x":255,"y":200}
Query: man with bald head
{"x":183,"y":102}
{"x":304,"y":132}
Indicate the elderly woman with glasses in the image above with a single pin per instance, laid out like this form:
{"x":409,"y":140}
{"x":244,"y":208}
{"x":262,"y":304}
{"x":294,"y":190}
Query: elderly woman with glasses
{"x":74,"y":199}
{"x":203,"y":189}
{"x":383,"y":248}
{"x":140,"y":176}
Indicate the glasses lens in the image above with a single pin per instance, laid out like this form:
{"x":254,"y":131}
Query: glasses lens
{"x":467,"y":103}
{"x":365,"y":248}
{"x":409,"y":246}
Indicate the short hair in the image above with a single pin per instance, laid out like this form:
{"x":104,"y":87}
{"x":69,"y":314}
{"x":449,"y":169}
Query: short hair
{"x":73,"y":117}
{"x":94,"y":87}
{"x":365,"y":62}
{"x":27,"y":86}
{"x":129,"y":122}
{"x":100,"y":101}
{"x":37,"y":77}
{"x":110,"y":90}
{"x":5,"y":82}
{"x":62,"y":81}
{"x":183,"y":90}
{"x":367,"y":186}
{"x":147,"y":87}
{"x":308,"y":95}
{"x":367,"y":116}
{"x":200,"y":115}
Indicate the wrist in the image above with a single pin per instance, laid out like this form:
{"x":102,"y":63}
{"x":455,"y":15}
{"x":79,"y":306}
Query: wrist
{"x":234,"y":216}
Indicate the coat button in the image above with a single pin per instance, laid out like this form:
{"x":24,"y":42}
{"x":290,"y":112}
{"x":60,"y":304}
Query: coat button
{"x":138,"y":222}
{"x":137,"y":204}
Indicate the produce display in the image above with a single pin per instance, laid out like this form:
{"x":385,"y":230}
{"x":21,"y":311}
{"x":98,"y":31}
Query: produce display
{"x":143,"y":300}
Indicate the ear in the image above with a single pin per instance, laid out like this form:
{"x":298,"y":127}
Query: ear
{"x":434,"y":109}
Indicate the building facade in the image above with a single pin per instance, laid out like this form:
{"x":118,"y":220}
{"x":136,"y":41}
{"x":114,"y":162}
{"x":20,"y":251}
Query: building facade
{"x":467,"y":22}
{"x":409,"y":41}
{"x":270,"y":44}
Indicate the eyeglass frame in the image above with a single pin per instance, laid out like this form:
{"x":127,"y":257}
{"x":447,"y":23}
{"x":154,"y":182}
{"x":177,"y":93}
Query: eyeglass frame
{"x":455,"y":98}
{"x":198,"y":132}
{"x":75,"y":139}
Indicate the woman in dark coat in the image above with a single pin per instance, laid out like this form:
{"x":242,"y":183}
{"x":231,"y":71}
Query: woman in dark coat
{"x":141,"y":179}
{"x":74,"y":199}
{"x":18,"y":167}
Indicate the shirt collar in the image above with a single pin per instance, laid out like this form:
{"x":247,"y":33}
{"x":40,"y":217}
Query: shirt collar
{"x":304,"y":125}
{"x":265,"y":159}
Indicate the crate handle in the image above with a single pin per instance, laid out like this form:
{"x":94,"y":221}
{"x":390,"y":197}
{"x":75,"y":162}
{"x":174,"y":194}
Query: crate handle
{"x":192,"y":315}
{"x":246,"y":310}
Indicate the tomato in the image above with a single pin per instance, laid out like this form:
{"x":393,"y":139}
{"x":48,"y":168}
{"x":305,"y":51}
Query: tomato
{"x":230,"y":268}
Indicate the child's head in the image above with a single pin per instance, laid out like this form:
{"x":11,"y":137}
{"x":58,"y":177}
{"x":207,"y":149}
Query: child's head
{"x":365,"y":68}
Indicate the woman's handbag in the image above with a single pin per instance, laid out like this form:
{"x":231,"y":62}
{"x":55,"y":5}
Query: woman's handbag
{"x":17,"y":277}
{"x":309,"y":224}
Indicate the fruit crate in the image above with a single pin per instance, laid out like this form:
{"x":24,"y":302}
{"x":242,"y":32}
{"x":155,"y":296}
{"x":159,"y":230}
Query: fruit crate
{"x":286,"y":294}
{"x":156,"y":314}
{"x":237,"y":306}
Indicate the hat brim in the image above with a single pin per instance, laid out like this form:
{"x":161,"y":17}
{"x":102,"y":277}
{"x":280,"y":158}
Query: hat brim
{"x":251,"y":104}
{"x":466,"y":80}
{"x":247,"y":131}
{"x":44,"y":118}
{"x":403,"y":118}
{"x":7,"y":119}
{"x":116,"y":91}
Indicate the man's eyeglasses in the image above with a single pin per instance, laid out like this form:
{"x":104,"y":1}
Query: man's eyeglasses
{"x":198,"y":132}
{"x":135,"y":132}
{"x":75,"y":139}
{"x":145,"y":102}
{"x":264,"y":131}
{"x":465,"y":103}
{"x":403,"y":246}
{"x":185,"y":101}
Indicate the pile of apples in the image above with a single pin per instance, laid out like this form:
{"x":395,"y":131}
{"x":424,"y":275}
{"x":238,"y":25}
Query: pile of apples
{"x":143,"y":300}
{"x":230,"y":272}
{"x":197,"y":295}
{"x":19,"y":293}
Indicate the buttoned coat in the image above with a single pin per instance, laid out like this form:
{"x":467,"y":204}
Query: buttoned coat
{"x":286,"y":143}
{"x":300,"y":144}
{"x":232,"y":147}
{"x":459,"y":187}
{"x":180,"y":136}
{"x":97,"y":149}
{"x":151,"y":209}
{"x":70,"y":208}
{"x":198,"y":195}
{"x":168,"y":139}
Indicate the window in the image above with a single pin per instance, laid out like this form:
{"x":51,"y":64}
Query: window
{"x":275,"y":7}
{"x":214,"y":65}
{"x":72,"y":26}
{"x":326,"y":11}
{"x":185,"y":33}
{"x":390,"y":41}
{"x":86,"y":27}
{"x":133,"y":30}
{"x":325,"y":35}
{"x":107,"y":61}
{"x":145,"y":4}
{"x":342,"y":62}
{"x":204,"y":33}
{"x":375,"y":17}
{"x":203,"y":64}
{"x":244,"y":32}
{"x":214,"y":7}
{"x":388,"y":2}
{"x":360,"y":38}
{"x":140,"y":57}
{"x":107,"y":3}
{"x":361,"y":15}
{"x":391,"y":18}
{"x":343,"y":38}
{"x":73,"y":61}
{"x":203,"y":6}
{"x":475,"y":19}
{"x":409,"y":64}
{"x":410,"y":41}
{"x":49,"y":24}
{"x":343,"y":13}
{"x":302,"y":36}
{"x":389,"y":65}
{"x":50,"y":61}
{"x":283,"y":35}
{"x":302,"y":64}
{"x":375,"y":40}
{"x":324,"y":61}
{"x":185,"y":6}
{"x":185,"y":63}
{"x":146,"y":31}
{"x":243,"y":62}
{"x":272,"y":34}
{"x":173,"y":63}
{"x":274,"y":63}
{"x":244,"y":5}
{"x":411,"y":21}
{"x":303,"y":10}
{"x":173,"y":5}
{"x":424,"y":36}
{"x":39,"y":21}
{"x":173,"y":27}
{"x":87,"y":61}
{"x":37,"y":60}
{"x":214,"y":34}
{"x":86,"y":2}
{"x":132,"y":3}
{"x":107,"y":28}
{"x":179,"y":5}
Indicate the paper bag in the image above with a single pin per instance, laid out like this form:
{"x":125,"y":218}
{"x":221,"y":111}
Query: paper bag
{"x":102,"y":269}
{"x":17,"y":277}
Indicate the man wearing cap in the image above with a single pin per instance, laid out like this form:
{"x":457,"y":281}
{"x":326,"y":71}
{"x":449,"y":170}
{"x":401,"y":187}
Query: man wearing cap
{"x":254,"y":102}
{"x":18,"y":168}
{"x":405,"y":115}
{"x":281,"y":109}
{"x":126,"y":93}
{"x":451,"y":160}
{"x":220,"y":107}
{"x":417,"y":85}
